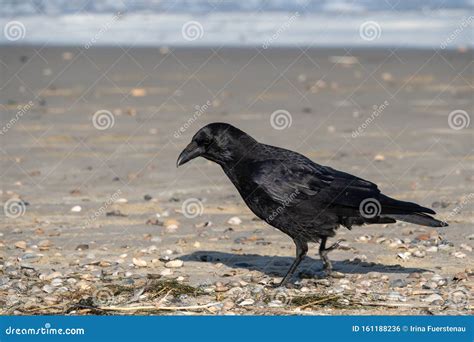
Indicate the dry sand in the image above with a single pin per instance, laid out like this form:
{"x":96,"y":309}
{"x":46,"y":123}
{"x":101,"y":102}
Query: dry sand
{"x":113,"y":253}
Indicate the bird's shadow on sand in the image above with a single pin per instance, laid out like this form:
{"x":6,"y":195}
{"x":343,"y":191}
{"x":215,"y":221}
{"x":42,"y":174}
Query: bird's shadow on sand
{"x":278,"y":265}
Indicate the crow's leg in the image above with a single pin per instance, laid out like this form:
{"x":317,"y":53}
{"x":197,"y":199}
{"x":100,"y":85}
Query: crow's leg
{"x":323,"y":253}
{"x":301,"y":250}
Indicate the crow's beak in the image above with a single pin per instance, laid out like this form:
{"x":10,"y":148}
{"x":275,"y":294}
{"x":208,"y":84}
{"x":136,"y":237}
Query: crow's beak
{"x":190,"y":152}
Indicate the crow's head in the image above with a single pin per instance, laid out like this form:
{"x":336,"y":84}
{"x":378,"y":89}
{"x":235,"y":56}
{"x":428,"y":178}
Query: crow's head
{"x":220,"y":142}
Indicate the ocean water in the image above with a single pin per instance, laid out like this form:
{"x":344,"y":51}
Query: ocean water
{"x":271,"y":23}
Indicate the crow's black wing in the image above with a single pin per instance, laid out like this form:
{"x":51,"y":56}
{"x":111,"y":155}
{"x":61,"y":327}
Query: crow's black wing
{"x":289,"y":183}
{"x":293,"y":180}
{"x":285,"y":184}
{"x":347,"y":190}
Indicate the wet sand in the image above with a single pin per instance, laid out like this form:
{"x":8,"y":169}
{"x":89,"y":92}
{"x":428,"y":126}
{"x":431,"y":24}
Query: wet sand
{"x":379,"y":114}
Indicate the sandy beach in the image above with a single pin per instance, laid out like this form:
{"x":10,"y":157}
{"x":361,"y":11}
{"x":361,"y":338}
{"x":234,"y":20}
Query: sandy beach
{"x":98,"y":219}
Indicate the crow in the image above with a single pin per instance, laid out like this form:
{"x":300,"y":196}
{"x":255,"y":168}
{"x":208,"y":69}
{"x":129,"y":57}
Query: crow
{"x":304,"y":200}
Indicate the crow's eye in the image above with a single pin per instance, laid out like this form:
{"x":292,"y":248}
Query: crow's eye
{"x":205,"y":141}
{"x":208,"y":142}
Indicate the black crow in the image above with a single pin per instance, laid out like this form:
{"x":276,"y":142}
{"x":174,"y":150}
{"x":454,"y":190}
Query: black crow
{"x":304,"y":200}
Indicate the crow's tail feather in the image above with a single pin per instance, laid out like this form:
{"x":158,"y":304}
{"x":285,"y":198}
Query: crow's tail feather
{"x":408,"y":212}
{"x":393,"y":206}
{"x":421,"y":219}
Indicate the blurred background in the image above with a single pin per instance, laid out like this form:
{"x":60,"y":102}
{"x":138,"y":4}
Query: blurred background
{"x":408,"y":23}
{"x":98,"y":98}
